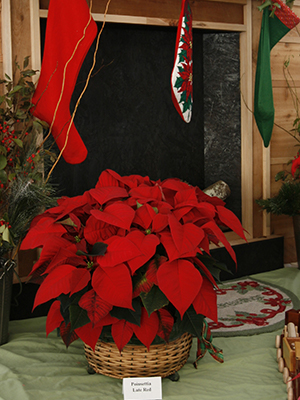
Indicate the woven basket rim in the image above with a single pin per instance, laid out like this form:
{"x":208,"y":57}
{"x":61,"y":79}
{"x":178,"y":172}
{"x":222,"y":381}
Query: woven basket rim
{"x":135,"y":360}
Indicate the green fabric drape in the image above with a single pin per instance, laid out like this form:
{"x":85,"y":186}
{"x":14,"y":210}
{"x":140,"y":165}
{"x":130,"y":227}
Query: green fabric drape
{"x":273,"y":28}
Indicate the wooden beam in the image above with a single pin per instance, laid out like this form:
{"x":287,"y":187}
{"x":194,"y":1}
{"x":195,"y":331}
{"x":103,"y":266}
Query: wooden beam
{"x":131,"y":19}
{"x":246,"y":122}
{"x":6,"y":34}
{"x":228,"y":12}
{"x":35,"y":37}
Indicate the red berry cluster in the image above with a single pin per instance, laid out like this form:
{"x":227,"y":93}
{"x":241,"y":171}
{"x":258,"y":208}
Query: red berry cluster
{"x":7,"y":142}
{"x":5,"y":223}
{"x":31,"y":160}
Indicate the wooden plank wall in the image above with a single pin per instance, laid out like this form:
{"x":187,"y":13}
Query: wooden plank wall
{"x":282,"y":148}
{"x":209,"y":12}
{"x":1,"y":53}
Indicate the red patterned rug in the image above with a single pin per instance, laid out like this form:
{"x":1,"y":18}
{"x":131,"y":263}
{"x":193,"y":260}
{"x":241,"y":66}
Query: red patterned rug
{"x":247,"y":307}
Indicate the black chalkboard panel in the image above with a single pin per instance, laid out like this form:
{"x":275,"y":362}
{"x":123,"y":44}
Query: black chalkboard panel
{"x":128,"y":122}
{"x":127,"y":119}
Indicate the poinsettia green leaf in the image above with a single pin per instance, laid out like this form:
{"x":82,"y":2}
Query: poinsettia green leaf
{"x":78,"y":316}
{"x":98,"y":249}
{"x":214,"y":266}
{"x":133,"y":316}
{"x":66,"y":301}
{"x":180,"y":281}
{"x":154,"y":300}
{"x":122,"y":332}
{"x":191,"y":322}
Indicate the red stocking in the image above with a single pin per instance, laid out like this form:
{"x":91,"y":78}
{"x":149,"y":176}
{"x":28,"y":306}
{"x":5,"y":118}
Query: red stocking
{"x":67,"y":20}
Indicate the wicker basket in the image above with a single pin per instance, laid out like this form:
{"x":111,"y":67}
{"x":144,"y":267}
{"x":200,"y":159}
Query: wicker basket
{"x":6,"y":281}
{"x":134,"y":360}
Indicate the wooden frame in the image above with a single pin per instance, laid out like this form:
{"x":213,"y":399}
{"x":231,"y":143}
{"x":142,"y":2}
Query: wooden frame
{"x":244,"y":26}
{"x":6,"y":35}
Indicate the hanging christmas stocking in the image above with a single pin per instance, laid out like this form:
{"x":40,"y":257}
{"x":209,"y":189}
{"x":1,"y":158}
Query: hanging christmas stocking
{"x":182,"y":73}
{"x":70,"y":29}
{"x":273,"y":28}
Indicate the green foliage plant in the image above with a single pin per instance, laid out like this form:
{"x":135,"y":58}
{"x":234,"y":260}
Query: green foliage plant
{"x":23,"y":190}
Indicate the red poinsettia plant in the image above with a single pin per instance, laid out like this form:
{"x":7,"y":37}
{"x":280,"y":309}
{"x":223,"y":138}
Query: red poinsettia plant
{"x":129,"y":259}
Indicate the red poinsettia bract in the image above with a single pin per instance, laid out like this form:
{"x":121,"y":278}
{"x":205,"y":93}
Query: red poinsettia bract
{"x":128,"y":256}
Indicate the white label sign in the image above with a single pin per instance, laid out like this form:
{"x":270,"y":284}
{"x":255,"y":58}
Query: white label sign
{"x":142,"y":388}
